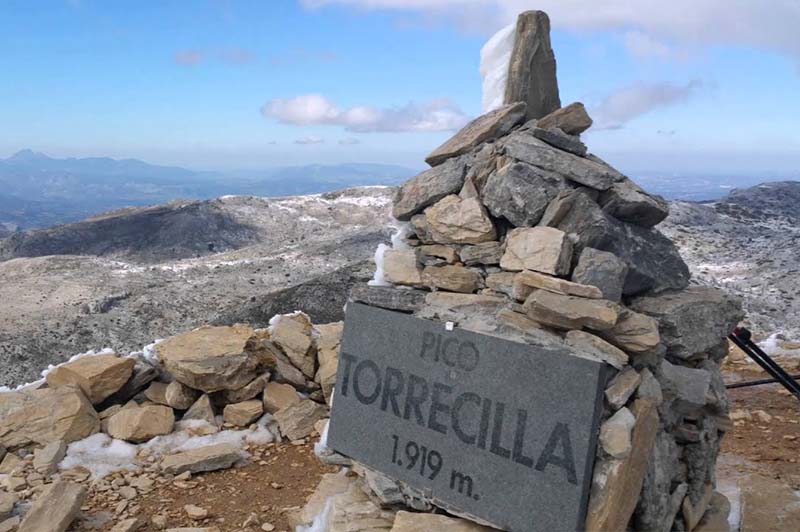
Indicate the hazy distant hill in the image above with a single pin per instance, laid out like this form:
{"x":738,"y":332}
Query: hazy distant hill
{"x":41,"y":191}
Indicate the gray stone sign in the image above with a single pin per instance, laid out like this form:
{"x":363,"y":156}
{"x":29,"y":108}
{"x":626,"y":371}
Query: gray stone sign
{"x":500,"y":430}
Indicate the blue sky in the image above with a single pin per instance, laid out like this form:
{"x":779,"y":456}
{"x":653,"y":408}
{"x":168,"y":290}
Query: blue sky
{"x":248,"y":84}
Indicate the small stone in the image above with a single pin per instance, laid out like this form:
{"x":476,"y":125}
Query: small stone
{"x":141,"y":424}
{"x":439,"y":252}
{"x":10,"y":464}
{"x":97,"y":376}
{"x":622,"y":387}
{"x":195,"y":512}
{"x":452,"y":278}
{"x":242,"y":414}
{"x":402,"y":267}
{"x":159,"y":522}
{"x":297,"y":421}
{"x":55,"y":509}
{"x":127,"y":493}
{"x":278,"y":396}
{"x":128,"y":525}
{"x":198,"y":460}
{"x":590,"y":346}
{"x":615,"y":433}
{"x":558,"y":139}
{"x":541,"y":249}
{"x":329,"y":337}
{"x":454,"y":220}
{"x":486,"y":253}
{"x":7,"y":502}
{"x":46,"y":459}
{"x":634,"y":332}
{"x":572,"y":119}
{"x":527,"y":281}
{"x":202,"y":409}
{"x":267,"y":527}
{"x":603,"y":270}
{"x":570,"y":312}
{"x":179,"y":396}
{"x":157,"y":393}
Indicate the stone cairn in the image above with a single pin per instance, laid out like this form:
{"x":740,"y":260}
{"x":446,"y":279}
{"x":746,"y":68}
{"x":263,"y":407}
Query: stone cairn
{"x":518,"y":231}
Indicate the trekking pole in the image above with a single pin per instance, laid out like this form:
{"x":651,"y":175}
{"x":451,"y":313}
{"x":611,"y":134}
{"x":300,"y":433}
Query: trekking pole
{"x":742,"y":338}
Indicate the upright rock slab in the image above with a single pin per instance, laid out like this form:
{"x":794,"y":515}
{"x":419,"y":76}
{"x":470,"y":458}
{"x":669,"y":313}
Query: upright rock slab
{"x":532,"y":69}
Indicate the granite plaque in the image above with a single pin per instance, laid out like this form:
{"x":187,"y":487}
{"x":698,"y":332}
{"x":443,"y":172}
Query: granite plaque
{"x":501,"y":430}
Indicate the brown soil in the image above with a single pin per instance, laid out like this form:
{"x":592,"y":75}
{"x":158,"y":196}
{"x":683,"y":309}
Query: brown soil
{"x":269,"y":488}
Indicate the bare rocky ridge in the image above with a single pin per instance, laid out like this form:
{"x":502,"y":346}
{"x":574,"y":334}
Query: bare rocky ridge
{"x":124,"y":279}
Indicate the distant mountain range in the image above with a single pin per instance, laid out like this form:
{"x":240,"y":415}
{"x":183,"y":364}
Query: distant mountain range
{"x":40,"y":191}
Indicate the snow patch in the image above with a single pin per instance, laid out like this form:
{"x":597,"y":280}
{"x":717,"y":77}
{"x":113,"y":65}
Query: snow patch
{"x":101,"y":455}
{"x":320,"y":523}
{"x":401,"y":231}
{"x":495,"y":58}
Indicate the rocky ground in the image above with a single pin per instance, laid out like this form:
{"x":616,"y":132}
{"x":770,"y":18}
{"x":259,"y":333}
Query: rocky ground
{"x":118,"y":281}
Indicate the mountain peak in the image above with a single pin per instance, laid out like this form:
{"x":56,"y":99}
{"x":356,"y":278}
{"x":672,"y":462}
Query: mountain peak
{"x":28,"y":155}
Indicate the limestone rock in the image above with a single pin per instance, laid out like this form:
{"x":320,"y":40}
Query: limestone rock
{"x":297,"y":421}
{"x":55,"y":509}
{"x":453,"y":220}
{"x":502,"y":282}
{"x":402,"y":267}
{"x":46,"y":459}
{"x":46,"y":415}
{"x":622,"y":387}
{"x":603,"y":270}
{"x":687,"y":388}
{"x":98,"y":376}
{"x":247,"y":392}
{"x":437,"y":254}
{"x":141,"y":424}
{"x":143,"y":374}
{"x":692,"y":321}
{"x":486,"y":253}
{"x":330,"y":484}
{"x":7,"y":502}
{"x":693,"y":510}
{"x":716,"y":518}
{"x":572,"y":119}
{"x":570,"y":312}
{"x":590,"y":346}
{"x":430,"y":186}
{"x":527,"y":281}
{"x":388,"y":297}
{"x":292,"y":333}
{"x":634,"y":332}
{"x":211,"y":359}
{"x":201,"y":459}
{"x":452,"y":278}
{"x":524,"y":147}
{"x":201,"y":410}
{"x":558,"y":139}
{"x":129,"y":525}
{"x":179,"y":396}
{"x":532,"y":69}
{"x":520,"y":193}
{"x":615,"y":433}
{"x":421,"y":522}
{"x":541,"y":249}
{"x":10,"y":464}
{"x":329,"y":338}
{"x":243,"y":414}
{"x":10,"y":525}
{"x":626,"y":201}
{"x":615,"y":483}
{"x":654,"y":263}
{"x":492,"y":125}
{"x":157,"y":393}
{"x":658,"y":503}
{"x":278,"y":396}
{"x":560,"y":206}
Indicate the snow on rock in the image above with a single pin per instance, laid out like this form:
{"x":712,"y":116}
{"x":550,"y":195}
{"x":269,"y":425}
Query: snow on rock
{"x":401,"y":231}
{"x":495,"y":58}
{"x":101,"y":455}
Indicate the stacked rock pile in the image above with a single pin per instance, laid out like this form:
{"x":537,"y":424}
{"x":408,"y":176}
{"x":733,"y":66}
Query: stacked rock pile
{"x":269,"y":383}
{"x":518,"y":231}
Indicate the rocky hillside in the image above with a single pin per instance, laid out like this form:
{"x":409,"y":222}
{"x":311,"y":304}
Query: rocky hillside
{"x":125,"y":278}
{"x":747,"y":243}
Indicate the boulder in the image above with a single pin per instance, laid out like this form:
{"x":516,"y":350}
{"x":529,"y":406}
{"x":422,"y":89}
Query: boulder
{"x":388,"y":297}
{"x":97,"y":376}
{"x":654,"y":263}
{"x":615,"y":434}
{"x":692,"y":321}
{"x":558,"y":139}
{"x":622,"y":387}
{"x":572,"y":119}
{"x":421,"y":522}
{"x":626,"y":201}
{"x":687,"y":389}
{"x":243,"y":414}
{"x":46,"y":415}
{"x":55,"y":509}
{"x":292,"y":333}
{"x":452,"y":278}
{"x":247,"y":392}
{"x":202,"y":409}
{"x":179,"y":396}
{"x":211,"y":359}
{"x":486,"y":253}
{"x":402,"y":267}
{"x":558,"y":208}
{"x":141,"y":424}
{"x":422,"y":191}
{"x":523,"y":146}
{"x":590,"y":346}
{"x":46,"y":459}
{"x":297,"y":421}
{"x":453,"y":220}
{"x":634,"y":332}
{"x":570,"y":312}
{"x":520,"y":193}
{"x":532,"y":68}
{"x":278,"y":396}
{"x":603,"y":270}
{"x":541,"y":249}
{"x":527,"y":281}
{"x":157,"y":393}
{"x":202,"y":459}
{"x":616,"y":483}
{"x":490,"y":126}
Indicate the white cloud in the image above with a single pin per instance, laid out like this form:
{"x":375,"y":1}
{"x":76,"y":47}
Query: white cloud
{"x":349,"y":141}
{"x":764,"y":24}
{"x":315,"y":109}
{"x":627,"y":103}
{"x":311,"y":139}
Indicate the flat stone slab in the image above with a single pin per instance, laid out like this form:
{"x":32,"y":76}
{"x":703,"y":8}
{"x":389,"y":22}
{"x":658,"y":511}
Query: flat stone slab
{"x":499,"y":430}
